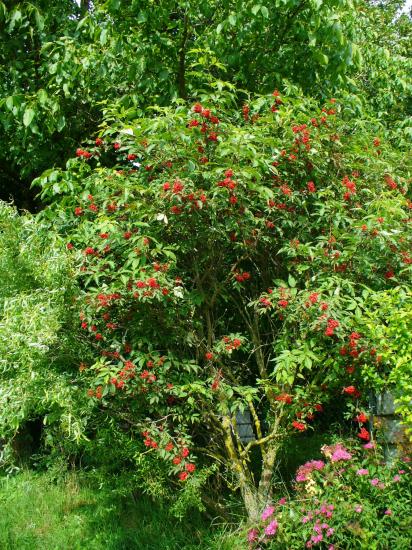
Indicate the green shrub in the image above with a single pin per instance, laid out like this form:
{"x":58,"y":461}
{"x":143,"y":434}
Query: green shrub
{"x":225,"y":259}
{"x":39,"y":349}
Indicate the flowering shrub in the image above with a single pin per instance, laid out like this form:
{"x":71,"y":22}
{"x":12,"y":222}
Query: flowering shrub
{"x":222,"y":258}
{"x":348,"y":500}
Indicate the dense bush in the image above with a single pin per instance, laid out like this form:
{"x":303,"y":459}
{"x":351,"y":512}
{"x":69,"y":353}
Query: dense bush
{"x":225,"y":262}
{"x":389,"y":322}
{"x":39,"y":352}
{"x":212,"y":289}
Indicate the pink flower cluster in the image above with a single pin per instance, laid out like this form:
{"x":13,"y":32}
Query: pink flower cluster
{"x":267,"y":512}
{"x":322,"y":530}
{"x":271,"y":528}
{"x":306,"y":469}
{"x":340,"y":454}
{"x":336,"y":452}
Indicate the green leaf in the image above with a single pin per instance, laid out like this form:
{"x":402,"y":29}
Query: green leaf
{"x":61,"y":123}
{"x":103,"y":37}
{"x":13,"y":20}
{"x":232,"y":19}
{"x":164,"y":74}
{"x":10,"y":103}
{"x":42,"y":95}
{"x":291,"y":281}
{"x":265,"y":12}
{"x":52,"y":68}
{"x":321,"y":58}
{"x":39,"y":20}
{"x":28,"y":116}
{"x":256,"y":9}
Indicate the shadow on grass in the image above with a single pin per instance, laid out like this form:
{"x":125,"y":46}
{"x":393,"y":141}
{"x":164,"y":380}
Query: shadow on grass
{"x":37,"y":514}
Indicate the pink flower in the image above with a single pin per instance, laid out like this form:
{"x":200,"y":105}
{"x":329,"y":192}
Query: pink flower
{"x":362,"y":472}
{"x":305,"y":519}
{"x":374,"y":481}
{"x":358,"y":509}
{"x":370,"y":445}
{"x":330,"y":532}
{"x":306,"y":469}
{"x":271,"y":528}
{"x":282,"y":501}
{"x":252,"y":535}
{"x":388,"y":512}
{"x":340,"y":454}
{"x":267,"y":512}
{"x":316,"y":538}
{"x":396,"y":478}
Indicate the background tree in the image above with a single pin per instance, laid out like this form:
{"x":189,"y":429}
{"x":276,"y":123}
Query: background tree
{"x":63,"y":65}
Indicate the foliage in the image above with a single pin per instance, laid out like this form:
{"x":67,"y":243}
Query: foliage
{"x":384,"y":79}
{"x":61,"y":66}
{"x":225,"y":260}
{"x":349,"y":500}
{"x":243,"y":261}
{"x":388,"y":321}
{"x":39,"y":354}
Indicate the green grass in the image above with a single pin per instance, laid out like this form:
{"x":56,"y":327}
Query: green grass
{"x":38,"y":514}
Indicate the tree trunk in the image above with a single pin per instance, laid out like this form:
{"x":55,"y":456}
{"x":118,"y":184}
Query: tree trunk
{"x":265,"y":483}
{"x":255,"y":499}
{"x":181,"y":75}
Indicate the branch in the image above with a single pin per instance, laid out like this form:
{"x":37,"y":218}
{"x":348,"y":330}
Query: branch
{"x":255,"y":419}
{"x":181,"y":78}
{"x":257,"y":442}
{"x":289,"y":21}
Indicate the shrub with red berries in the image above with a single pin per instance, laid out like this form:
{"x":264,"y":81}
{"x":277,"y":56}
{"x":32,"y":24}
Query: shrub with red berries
{"x":237,"y":283}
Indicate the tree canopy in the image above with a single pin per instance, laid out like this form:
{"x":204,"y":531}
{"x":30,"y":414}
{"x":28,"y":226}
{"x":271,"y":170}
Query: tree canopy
{"x":62,"y":65}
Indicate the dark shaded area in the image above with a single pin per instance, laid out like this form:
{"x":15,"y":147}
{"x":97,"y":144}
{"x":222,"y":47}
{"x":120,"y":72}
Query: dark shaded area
{"x":28,"y":439}
{"x":13,"y":189}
